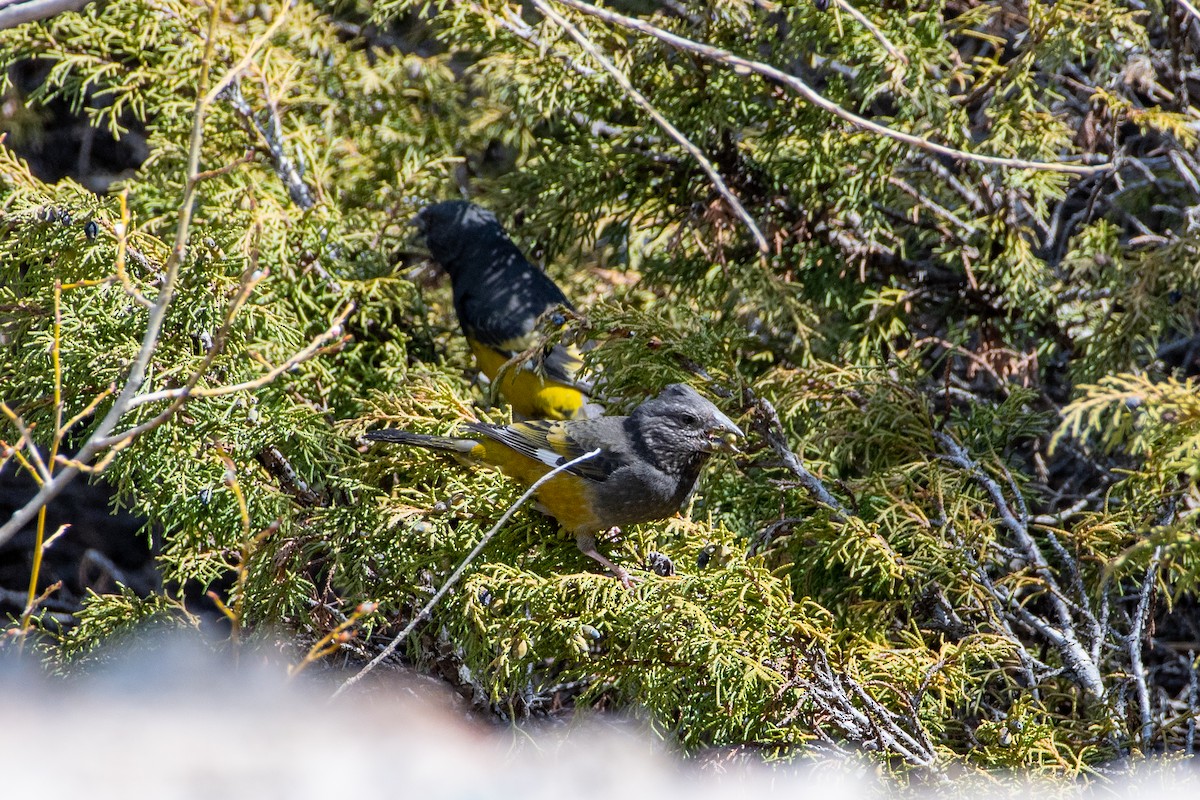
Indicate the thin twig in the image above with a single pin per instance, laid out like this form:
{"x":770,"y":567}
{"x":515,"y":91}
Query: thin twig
{"x":43,"y":471}
{"x":835,"y":694}
{"x":1193,"y":703}
{"x":318,"y":346}
{"x":250,"y":278}
{"x":640,"y":99}
{"x":511,"y":21}
{"x":120,"y":230}
{"x":137,"y":371}
{"x":811,"y":95}
{"x":1189,"y":8}
{"x":454,"y":576}
{"x":939,"y":210}
{"x":874,"y":29}
{"x":998,"y":606}
{"x":258,"y":44}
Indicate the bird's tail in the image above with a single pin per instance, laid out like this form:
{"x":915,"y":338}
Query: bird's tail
{"x":449,"y":443}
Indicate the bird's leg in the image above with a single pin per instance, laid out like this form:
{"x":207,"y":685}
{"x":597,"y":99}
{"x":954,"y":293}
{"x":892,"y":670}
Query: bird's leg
{"x":587,"y":546}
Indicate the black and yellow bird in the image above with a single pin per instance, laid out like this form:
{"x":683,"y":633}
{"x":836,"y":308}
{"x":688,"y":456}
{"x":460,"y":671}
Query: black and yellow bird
{"x":647,"y":467}
{"x":499,"y":296}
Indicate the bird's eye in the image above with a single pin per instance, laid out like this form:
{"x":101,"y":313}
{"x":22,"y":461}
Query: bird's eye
{"x":689,"y":419}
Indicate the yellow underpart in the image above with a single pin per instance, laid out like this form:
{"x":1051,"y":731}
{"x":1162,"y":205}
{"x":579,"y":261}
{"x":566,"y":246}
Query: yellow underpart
{"x":566,"y":497}
{"x":531,"y":395}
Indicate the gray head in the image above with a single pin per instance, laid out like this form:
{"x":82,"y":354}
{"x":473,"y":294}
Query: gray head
{"x":452,"y":226}
{"x":680,"y":429}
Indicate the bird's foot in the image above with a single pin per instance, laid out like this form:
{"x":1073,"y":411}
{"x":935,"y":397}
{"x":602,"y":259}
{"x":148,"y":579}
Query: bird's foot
{"x":627,"y":580}
{"x":587,"y":546}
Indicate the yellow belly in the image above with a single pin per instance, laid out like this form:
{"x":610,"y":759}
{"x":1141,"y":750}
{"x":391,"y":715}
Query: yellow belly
{"x":565,"y":497}
{"x":531,"y":395}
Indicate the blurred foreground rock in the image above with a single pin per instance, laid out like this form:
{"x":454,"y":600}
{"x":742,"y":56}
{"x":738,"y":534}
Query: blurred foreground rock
{"x":168,"y":720}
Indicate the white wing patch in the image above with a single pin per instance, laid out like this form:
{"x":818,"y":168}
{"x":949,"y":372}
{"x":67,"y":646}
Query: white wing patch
{"x":548,"y":457}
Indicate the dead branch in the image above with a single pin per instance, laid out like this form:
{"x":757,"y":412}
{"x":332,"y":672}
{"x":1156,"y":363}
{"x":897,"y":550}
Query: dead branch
{"x":1134,"y":645}
{"x":843,"y":700}
{"x":18,"y":12}
{"x":1063,"y":635}
{"x":739,"y":63}
{"x":767,"y":421}
{"x":271,"y":134}
{"x":640,"y":100}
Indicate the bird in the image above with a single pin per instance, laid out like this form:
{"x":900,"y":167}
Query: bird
{"x":499,"y":297}
{"x":647,"y":467}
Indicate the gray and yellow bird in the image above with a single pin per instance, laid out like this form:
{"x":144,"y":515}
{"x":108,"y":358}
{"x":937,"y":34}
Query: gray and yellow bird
{"x":647,"y":468}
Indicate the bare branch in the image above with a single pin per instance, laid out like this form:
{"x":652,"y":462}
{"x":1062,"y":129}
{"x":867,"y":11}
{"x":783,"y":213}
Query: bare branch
{"x":861,"y":717}
{"x":17,"y":13}
{"x":623,"y":81}
{"x":289,"y":174}
{"x":511,"y":21}
{"x":938,"y":209}
{"x":1063,"y":637}
{"x":1134,"y":645}
{"x":811,"y":95}
{"x":251,"y":52}
{"x":772,"y":431}
{"x":454,"y":576}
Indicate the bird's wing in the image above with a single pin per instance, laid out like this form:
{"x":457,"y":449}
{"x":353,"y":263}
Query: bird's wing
{"x":555,"y":442}
{"x":562,"y":364}
{"x":498,"y":297}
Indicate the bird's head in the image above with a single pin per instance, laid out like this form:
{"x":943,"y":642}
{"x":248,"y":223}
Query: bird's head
{"x":680,"y":425}
{"x":450,"y":226}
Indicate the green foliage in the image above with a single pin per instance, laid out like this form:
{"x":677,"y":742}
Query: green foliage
{"x":910,"y":305}
{"x":108,"y":621}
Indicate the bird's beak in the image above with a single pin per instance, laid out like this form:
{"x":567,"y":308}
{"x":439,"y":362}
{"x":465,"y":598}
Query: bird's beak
{"x":723,"y":434}
{"x":418,"y":222}
{"x":416,"y":239}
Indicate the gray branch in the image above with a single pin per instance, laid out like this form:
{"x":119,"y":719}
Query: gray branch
{"x":1134,"y":644}
{"x":1062,"y":636}
{"x":772,"y":431}
{"x":289,"y":173}
{"x":18,"y":12}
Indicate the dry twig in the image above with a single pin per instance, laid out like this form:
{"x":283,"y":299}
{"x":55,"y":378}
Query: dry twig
{"x":640,"y":99}
{"x":875,"y":30}
{"x":739,"y":63}
{"x":458,"y":571}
